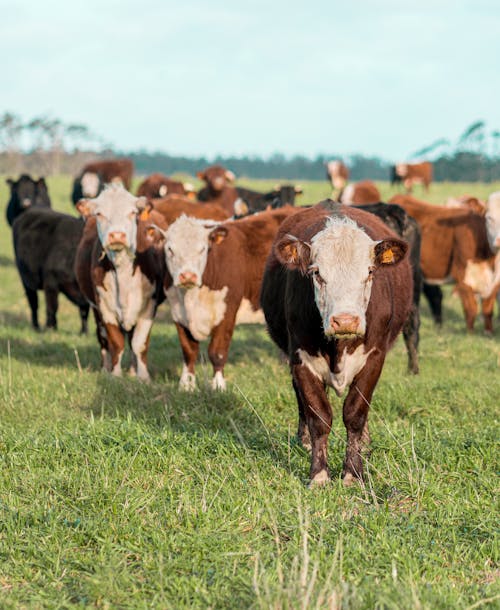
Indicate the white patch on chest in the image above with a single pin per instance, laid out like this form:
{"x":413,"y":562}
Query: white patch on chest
{"x":198,"y":309}
{"x":248,"y":315}
{"x":126,"y":295}
{"x":348,"y":366}
{"x":479,"y":277}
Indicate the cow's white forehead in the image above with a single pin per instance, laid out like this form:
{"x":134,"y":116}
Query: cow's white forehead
{"x":493,"y":204}
{"x":342,"y":241}
{"x":187,"y":232}
{"x":113,"y":200}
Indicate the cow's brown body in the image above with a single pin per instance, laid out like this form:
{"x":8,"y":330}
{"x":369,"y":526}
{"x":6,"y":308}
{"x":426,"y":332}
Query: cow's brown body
{"x":112,"y":170}
{"x":229,"y":287}
{"x":415,"y":173}
{"x":291,"y":308}
{"x":455,"y":247}
{"x":364,"y":192}
{"x":94,"y":271}
{"x":173,"y":206}
{"x":158,"y":185}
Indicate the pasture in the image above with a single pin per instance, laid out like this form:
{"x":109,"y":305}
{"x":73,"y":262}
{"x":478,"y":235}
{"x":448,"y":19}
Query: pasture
{"x":117,"y":494}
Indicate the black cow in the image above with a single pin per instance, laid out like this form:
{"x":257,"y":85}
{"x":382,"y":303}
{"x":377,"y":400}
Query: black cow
{"x":277,"y":198}
{"x":406,"y":227}
{"x":45,"y":244}
{"x":26,"y":193}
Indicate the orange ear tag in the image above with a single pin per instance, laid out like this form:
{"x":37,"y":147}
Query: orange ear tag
{"x":144,"y":215}
{"x":387,"y":257}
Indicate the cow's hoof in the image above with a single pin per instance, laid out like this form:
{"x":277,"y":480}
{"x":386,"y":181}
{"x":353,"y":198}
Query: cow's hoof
{"x":188,"y":383}
{"x":320,"y":479}
{"x":218,"y":382}
{"x":349,"y":479}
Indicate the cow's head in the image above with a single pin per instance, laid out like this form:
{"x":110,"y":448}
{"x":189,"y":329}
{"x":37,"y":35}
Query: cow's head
{"x":91,"y":184}
{"x":217,"y":177}
{"x":401,"y":169}
{"x":116,"y":212}
{"x":493,"y":220}
{"x":187,"y":242}
{"x":25,"y":190}
{"x":341,"y":261}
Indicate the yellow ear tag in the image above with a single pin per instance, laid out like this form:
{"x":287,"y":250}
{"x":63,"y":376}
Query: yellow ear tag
{"x":387,"y":257}
{"x":218,"y":238}
{"x":144,"y":215}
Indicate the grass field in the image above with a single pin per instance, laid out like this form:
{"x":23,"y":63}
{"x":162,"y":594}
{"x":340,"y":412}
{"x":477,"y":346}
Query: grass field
{"x":117,"y":494}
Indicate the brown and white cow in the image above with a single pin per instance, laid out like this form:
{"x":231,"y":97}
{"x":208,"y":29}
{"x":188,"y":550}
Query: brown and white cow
{"x":414,"y":173}
{"x":172,"y":207}
{"x":120,"y":271}
{"x":454,"y":248}
{"x":96,"y":174}
{"x":336,"y":292}
{"x":492,"y":217}
{"x":338,"y":174}
{"x":220,"y":191}
{"x":158,"y":185}
{"x":215,"y":275}
{"x":364,"y":192}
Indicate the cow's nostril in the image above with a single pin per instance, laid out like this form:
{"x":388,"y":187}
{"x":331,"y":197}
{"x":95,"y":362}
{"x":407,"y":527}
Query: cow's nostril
{"x":345,"y":323}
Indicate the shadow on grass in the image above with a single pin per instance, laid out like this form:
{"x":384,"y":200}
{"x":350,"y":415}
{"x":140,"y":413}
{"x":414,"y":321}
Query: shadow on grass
{"x":5,"y":261}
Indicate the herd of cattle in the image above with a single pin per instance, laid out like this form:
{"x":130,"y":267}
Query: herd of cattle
{"x":335,"y":282}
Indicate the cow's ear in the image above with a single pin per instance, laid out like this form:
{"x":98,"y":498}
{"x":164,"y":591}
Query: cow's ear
{"x":10,"y":182}
{"x":163,"y":190}
{"x":218,"y":235}
{"x":293,"y":253}
{"x":85,"y":207}
{"x":41,"y":181}
{"x":155,"y":235}
{"x":201,"y":175}
{"x":142,"y":203}
{"x":390,"y":251}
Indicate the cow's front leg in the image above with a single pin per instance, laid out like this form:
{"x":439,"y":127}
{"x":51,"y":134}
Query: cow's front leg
{"x":219,"y":348}
{"x":190,"y":348}
{"x":303,"y":429}
{"x":140,"y":345}
{"x":318,"y":415}
{"x":116,"y":346}
{"x":355,"y":415}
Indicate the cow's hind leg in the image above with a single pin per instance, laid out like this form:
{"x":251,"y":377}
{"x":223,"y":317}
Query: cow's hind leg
{"x":32,"y":297}
{"x":469,"y":304}
{"x":355,"y":415}
{"x":190,"y":348}
{"x":52,"y":304}
{"x":411,"y":337}
{"x":434,"y":296}
{"x":318,"y":415}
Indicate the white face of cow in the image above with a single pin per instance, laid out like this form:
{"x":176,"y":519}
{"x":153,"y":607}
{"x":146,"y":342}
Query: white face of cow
{"x":341,"y":260}
{"x":90,"y":184}
{"x":493,"y":220}
{"x":116,"y":213}
{"x":187,"y":242}
{"x":401,"y":169}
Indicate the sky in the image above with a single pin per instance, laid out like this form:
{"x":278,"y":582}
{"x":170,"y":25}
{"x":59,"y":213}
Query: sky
{"x":231,"y":77}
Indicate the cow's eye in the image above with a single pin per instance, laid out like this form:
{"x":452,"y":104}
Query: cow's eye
{"x":314,"y":272}
{"x":170,"y":251}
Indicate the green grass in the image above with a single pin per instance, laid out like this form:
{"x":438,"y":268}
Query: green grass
{"x":116,"y":494}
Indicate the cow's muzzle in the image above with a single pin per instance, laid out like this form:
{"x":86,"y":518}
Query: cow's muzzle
{"x":187,"y":279}
{"x":117,"y":240}
{"x":346,"y":325}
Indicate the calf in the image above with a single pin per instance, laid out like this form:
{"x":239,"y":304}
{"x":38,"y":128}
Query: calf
{"x":26,"y":193}
{"x":454,"y":247}
{"x":120,"y":271}
{"x":158,"y":185}
{"x":96,"y":174}
{"x":214,"y":282}
{"x":360,"y":193}
{"x":278,"y":197}
{"x":219,"y":190}
{"x":415,"y":173}
{"x":336,"y":292}
{"x":45,"y":244}
{"x":407,"y":228}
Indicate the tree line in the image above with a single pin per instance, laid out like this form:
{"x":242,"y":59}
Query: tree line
{"x":44,"y":145}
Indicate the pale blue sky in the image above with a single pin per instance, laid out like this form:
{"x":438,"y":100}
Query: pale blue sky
{"x":211,"y":77}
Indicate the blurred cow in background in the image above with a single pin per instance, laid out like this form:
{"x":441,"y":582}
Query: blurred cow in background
{"x":360,"y":193}
{"x":158,"y":185}
{"x":96,"y":174}
{"x":26,"y":193}
{"x":338,"y":175}
{"x":219,"y":189}
{"x":415,"y":173}
{"x":280,"y":196}
{"x":467,"y":202}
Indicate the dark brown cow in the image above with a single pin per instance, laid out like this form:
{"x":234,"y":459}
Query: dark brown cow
{"x":120,"y":271}
{"x":96,"y":174}
{"x":219,"y":190}
{"x":415,"y":173}
{"x":360,"y":193}
{"x":158,"y":185}
{"x":454,"y":247}
{"x":215,"y":272}
{"x":336,"y":292}
{"x":338,"y":174}
{"x":173,"y":206}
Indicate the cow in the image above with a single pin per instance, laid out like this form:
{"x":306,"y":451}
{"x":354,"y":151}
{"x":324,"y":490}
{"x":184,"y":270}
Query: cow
{"x":360,"y":193}
{"x":407,"y":228}
{"x":394,"y":178}
{"x":213,"y":283}
{"x":96,"y":174}
{"x":336,"y":292}
{"x":26,"y":193}
{"x":120,"y":270}
{"x":467,"y":202}
{"x":337,"y":174}
{"x":45,"y":244}
{"x":454,"y":247}
{"x":158,"y":185}
{"x":219,"y":190}
{"x":492,"y":217}
{"x":173,"y":206}
{"x":281,"y":195}
{"x":415,"y":173}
